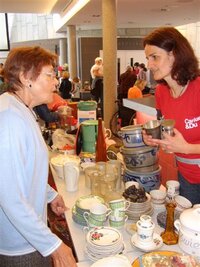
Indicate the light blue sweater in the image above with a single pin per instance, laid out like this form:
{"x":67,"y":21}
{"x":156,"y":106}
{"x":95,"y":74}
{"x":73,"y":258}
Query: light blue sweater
{"x":24,"y":192}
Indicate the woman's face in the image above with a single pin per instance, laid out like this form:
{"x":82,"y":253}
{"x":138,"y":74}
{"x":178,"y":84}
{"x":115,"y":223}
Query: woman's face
{"x":43,"y":87}
{"x":160,"y":62}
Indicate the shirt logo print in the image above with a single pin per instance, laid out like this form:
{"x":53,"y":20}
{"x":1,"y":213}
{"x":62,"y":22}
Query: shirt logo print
{"x":191,"y":123}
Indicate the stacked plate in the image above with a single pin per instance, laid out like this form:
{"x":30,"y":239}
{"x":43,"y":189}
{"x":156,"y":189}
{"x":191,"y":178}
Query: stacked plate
{"x":84,"y":204}
{"x":103,"y":242}
{"x":135,"y":210}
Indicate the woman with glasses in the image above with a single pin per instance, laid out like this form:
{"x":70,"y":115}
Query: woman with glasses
{"x":25,"y":239}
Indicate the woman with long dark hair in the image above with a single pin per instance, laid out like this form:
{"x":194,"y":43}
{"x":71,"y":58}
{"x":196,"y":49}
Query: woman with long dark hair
{"x":175,"y":67}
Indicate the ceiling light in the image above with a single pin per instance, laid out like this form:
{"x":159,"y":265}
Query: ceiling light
{"x":70,"y":13}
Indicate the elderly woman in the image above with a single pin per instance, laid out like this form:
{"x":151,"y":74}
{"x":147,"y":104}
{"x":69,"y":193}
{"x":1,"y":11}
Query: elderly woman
{"x":26,"y":239}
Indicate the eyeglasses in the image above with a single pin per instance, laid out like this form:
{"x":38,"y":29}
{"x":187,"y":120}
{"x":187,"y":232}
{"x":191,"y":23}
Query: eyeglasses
{"x":51,"y":75}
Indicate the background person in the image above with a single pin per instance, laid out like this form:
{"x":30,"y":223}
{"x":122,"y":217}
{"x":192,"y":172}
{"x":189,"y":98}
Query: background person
{"x":175,"y":67}
{"x":65,"y":86}
{"x":96,"y":71}
{"x":26,"y":240}
{"x":136,"y":90}
{"x":76,"y":88}
{"x":126,"y":80}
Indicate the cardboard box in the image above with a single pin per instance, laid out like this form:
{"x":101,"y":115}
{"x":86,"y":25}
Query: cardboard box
{"x":84,"y":115}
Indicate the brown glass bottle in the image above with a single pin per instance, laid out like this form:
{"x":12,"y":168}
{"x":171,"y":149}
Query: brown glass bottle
{"x":101,"y":143}
{"x":169,"y":236}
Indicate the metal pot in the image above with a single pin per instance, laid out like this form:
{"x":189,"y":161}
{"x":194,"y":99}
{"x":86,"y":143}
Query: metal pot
{"x":188,"y":226}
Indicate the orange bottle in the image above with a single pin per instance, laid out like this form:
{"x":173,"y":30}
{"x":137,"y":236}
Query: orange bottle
{"x":169,"y":236}
{"x":101,"y":143}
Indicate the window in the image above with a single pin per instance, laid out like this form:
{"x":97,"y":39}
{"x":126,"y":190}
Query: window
{"x":4,"y":37}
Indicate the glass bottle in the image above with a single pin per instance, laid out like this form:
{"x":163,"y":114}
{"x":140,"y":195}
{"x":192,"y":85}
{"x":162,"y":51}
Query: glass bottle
{"x":169,"y":236}
{"x":101,"y":154}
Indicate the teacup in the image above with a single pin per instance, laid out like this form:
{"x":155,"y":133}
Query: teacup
{"x":91,"y":222}
{"x":118,"y":224}
{"x":145,"y":230}
{"x":117,"y":215}
{"x":172,"y":189}
{"x":121,"y":204}
{"x":182,"y":203}
{"x":98,"y":212}
{"x":118,"y":208}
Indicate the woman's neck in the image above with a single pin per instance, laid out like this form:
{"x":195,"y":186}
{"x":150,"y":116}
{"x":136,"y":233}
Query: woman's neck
{"x":176,"y":90}
{"x":23,"y":97}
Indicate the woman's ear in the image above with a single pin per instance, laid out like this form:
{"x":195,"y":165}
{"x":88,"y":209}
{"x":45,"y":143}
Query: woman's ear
{"x":23,"y":79}
{"x":171,"y":57}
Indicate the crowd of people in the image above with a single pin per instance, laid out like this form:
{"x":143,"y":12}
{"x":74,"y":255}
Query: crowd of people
{"x":135,"y":82}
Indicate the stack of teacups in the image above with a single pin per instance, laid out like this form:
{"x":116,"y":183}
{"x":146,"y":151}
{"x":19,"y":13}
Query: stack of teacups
{"x":117,"y":217}
{"x":97,"y":216}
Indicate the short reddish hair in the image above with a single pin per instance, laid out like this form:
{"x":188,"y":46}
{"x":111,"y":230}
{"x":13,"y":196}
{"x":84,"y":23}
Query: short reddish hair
{"x":30,"y":61}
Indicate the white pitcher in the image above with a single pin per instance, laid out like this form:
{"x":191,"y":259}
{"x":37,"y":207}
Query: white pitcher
{"x":71,"y":175}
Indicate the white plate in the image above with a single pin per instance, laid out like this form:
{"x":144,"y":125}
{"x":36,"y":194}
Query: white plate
{"x":156,"y":244}
{"x":104,"y":236}
{"x":86,"y":202}
{"x":117,"y":261}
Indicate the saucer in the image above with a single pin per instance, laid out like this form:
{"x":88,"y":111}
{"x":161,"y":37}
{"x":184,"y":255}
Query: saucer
{"x":156,"y":244}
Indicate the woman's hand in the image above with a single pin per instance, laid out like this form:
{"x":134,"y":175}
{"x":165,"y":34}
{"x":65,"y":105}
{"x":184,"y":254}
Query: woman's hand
{"x":174,"y":144}
{"x":171,"y":144}
{"x":63,"y":257}
{"x":58,"y":205}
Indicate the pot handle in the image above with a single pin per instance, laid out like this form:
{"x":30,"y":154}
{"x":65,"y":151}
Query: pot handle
{"x":177,"y":224}
{"x":119,"y":133}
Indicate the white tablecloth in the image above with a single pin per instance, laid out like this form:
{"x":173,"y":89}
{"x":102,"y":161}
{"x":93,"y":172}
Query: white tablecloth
{"x":76,"y":230}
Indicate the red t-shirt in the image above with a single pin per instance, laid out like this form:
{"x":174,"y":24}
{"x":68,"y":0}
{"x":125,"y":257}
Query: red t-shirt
{"x":185,"y":110}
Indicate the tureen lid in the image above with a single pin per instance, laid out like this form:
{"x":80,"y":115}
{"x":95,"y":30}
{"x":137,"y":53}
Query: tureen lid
{"x":190,"y":218}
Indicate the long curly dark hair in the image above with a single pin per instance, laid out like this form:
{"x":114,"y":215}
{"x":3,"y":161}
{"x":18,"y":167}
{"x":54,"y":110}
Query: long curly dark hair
{"x":185,"y":67}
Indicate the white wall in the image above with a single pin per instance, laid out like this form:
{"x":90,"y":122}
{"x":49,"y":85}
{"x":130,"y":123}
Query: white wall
{"x":125,"y":57}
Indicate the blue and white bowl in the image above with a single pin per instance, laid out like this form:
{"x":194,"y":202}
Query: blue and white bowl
{"x":131,"y":136}
{"x":149,"y":180}
{"x":141,"y":159}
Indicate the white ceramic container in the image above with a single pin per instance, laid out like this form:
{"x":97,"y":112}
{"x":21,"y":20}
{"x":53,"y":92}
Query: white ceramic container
{"x":188,"y":226}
